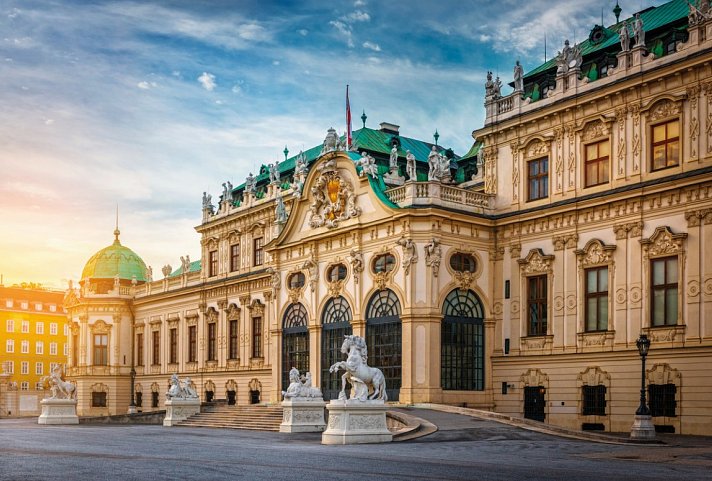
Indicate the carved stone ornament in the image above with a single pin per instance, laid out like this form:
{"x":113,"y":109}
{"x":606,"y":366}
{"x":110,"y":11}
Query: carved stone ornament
{"x":465,"y":280}
{"x":100,"y":327}
{"x":313,"y":268}
{"x":232,"y":312}
{"x":534,"y":377}
{"x":536,"y":262}
{"x":537,"y":148}
{"x":257,"y":308}
{"x":663,"y":242}
{"x":634,"y":229}
{"x":410,"y":253}
{"x":381,"y":279}
{"x":211,"y":315}
{"x":663,"y":374}
{"x":595,"y":253}
{"x":594,"y":130}
{"x":664,"y":109}
{"x":335,"y":288}
{"x":356,"y":259}
{"x":333,"y":200}
{"x":594,"y":376}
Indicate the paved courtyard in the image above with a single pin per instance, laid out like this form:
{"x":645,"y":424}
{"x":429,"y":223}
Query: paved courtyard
{"x":463,"y":448}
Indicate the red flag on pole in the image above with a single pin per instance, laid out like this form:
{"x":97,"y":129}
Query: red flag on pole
{"x":348,"y":120}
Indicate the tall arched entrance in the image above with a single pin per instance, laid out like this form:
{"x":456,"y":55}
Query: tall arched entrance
{"x":295,"y":342}
{"x":462,"y":348}
{"x":384,"y":338}
{"x":335,"y":324}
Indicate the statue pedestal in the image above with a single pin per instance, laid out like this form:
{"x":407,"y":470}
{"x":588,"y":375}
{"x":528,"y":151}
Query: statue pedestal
{"x":58,"y":411}
{"x":643,"y":427}
{"x":392,"y":178}
{"x":303,"y":415}
{"x":356,"y":422}
{"x":178,"y":410}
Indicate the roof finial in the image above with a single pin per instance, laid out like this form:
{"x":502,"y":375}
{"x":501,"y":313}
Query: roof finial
{"x":617,"y":11}
{"x":436,"y":136}
{"x":286,"y":152}
{"x":363,"y":118}
{"x":116,"y":230}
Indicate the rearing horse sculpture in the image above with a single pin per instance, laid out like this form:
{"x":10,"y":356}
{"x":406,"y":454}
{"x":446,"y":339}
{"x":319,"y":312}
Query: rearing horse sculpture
{"x":362,"y":378}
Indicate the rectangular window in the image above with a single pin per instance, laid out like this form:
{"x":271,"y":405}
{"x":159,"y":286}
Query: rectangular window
{"x":39,"y":347}
{"x":256,"y":337}
{"x":8,"y":303}
{"x":538,"y":179}
{"x":25,"y":327}
{"x":39,"y":386}
{"x":24,"y":305}
{"x":24,"y":367}
{"x":173,"y":352}
{"x":139,"y":399}
{"x":234,"y":257}
{"x":53,"y":328}
{"x":10,"y":326}
{"x":594,"y":400}
{"x":9,"y":367}
{"x":139,"y":349}
{"x":665,"y":146}
{"x":233,"y":340}
{"x":53,"y":348}
{"x":662,"y":399}
{"x":39,"y":328}
{"x":38,"y":306}
{"x":536,"y":305}
{"x":52,"y":308}
{"x":25,"y":347}
{"x":213,"y":264}
{"x":25,"y":386}
{"x":65,"y":349}
{"x":596,"y":163}
{"x":75,"y":350}
{"x":66,"y":330}
{"x":156,"y":351}
{"x":39,"y":368}
{"x":101,"y":349}
{"x":211,"y":341}
{"x":258,"y":251}
{"x":663,"y":295}
{"x":192,"y":343}
{"x":596,"y":299}
{"x":10,"y":346}
{"x":154,"y":399}
{"x":98,"y":399}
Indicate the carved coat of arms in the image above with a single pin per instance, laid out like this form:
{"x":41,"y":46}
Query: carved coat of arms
{"x":333,"y":200}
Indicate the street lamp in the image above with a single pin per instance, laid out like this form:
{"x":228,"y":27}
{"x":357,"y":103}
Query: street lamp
{"x":643,"y":427}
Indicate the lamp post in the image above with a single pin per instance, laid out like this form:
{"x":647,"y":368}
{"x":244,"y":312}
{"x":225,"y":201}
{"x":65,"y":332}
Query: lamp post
{"x":643,"y":427}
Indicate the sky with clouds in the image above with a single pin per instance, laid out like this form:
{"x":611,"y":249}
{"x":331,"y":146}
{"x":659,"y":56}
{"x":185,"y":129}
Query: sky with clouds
{"x":148,"y":104}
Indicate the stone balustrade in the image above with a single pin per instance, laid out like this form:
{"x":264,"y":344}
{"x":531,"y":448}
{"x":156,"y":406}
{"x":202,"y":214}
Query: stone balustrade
{"x":438,"y":194}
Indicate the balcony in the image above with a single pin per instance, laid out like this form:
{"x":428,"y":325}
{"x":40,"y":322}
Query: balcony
{"x":436,"y":194}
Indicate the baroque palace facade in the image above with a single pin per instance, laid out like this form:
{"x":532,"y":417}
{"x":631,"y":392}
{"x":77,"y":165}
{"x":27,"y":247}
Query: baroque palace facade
{"x":515,"y":278}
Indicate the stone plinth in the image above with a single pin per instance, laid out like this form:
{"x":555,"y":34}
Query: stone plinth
{"x":178,"y":410}
{"x":303,"y":415}
{"x":356,"y":422}
{"x":58,"y":411}
{"x":643,"y":427}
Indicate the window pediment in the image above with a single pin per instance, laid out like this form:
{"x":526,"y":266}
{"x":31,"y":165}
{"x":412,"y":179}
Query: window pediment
{"x":663,"y":108}
{"x":663,"y":242}
{"x":594,"y":253}
{"x":536,"y":262}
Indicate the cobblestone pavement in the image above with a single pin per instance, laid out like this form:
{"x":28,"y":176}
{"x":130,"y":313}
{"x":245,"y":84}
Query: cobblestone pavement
{"x":463,"y":448}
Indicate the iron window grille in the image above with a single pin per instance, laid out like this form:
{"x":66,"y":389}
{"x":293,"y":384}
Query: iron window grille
{"x":594,"y":400}
{"x":462,"y":342}
{"x":662,"y":400}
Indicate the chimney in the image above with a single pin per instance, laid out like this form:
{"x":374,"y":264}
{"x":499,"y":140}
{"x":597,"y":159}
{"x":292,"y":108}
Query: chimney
{"x":389,"y":128}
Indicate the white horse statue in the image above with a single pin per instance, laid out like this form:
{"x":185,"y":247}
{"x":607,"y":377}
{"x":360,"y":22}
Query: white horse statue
{"x":363,"y":379}
{"x":59,"y":388}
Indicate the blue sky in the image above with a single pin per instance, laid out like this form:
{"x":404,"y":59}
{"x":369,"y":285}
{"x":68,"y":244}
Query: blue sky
{"x":148,"y":104}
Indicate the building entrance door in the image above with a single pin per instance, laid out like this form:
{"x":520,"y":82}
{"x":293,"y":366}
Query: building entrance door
{"x":534,"y":403}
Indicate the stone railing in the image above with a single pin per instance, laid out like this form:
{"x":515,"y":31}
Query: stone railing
{"x":438,"y":194}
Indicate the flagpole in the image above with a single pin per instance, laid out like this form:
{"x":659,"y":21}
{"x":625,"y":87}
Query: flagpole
{"x":348,"y":120}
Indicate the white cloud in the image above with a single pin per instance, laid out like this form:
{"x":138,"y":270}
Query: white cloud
{"x":49,"y":121}
{"x":344,"y":30}
{"x":146,"y":85}
{"x":207,"y":80}
{"x":236,"y":89}
{"x":303,"y":32}
{"x":372,"y":46}
{"x":359,"y":3}
{"x":14,"y":13}
{"x":275,"y":62}
{"x":357,"y":16}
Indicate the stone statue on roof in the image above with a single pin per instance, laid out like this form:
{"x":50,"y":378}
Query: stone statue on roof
{"x":624,"y":35}
{"x":166,"y":270}
{"x":250,"y":184}
{"x":410,"y":165}
{"x":368,"y":165}
{"x":497,"y":89}
{"x":489,"y":86}
{"x":301,"y":168}
{"x":393,"y":159}
{"x":149,"y":274}
{"x":434,"y":164}
{"x":274,"y":173}
{"x":280,"y":211}
{"x":638,"y":31}
{"x":331,"y":141}
{"x":518,"y":77}
{"x":568,"y":58}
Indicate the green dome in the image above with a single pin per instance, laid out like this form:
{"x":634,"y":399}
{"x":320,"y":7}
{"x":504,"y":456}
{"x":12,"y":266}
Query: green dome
{"x":113,"y":260}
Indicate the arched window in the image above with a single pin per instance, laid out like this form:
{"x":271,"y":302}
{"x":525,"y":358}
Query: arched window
{"x":295,"y":341}
{"x":383,"y":337}
{"x":462,"y":262}
{"x":462,"y":356}
{"x":336,"y":273}
{"x":335,"y":324}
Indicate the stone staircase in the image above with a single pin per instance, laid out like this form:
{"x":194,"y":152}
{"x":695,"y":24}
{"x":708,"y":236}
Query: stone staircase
{"x":254,"y":417}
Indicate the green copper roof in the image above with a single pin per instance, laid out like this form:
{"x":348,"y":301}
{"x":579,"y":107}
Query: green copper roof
{"x":115,"y":260}
{"x":194,"y":267}
{"x":472,"y":153}
{"x":653,"y":19}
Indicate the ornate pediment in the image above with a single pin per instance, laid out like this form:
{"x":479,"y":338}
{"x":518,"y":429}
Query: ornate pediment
{"x":232,"y":312}
{"x":257,"y":308}
{"x":663,"y":242}
{"x":595,"y":253}
{"x":663,"y":374}
{"x":536,"y":262}
{"x":537,"y":148}
{"x":211,"y":315}
{"x":594,"y":130}
{"x":100,"y":327}
{"x":333,"y":199}
{"x":534,"y":377}
{"x":594,"y":376}
{"x":663,"y":109}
